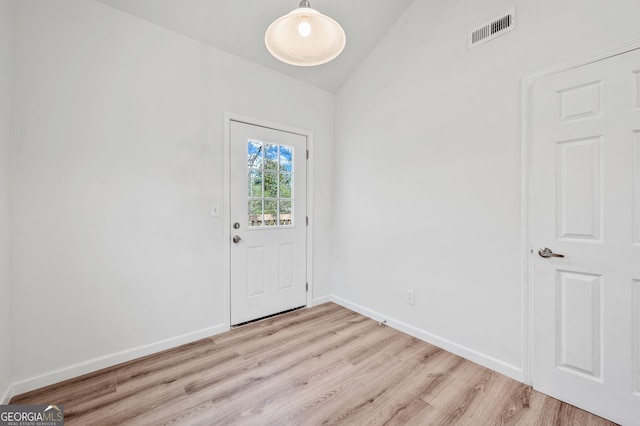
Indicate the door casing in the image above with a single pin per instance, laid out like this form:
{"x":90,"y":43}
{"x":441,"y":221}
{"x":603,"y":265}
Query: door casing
{"x":228,"y":117}
{"x":526,"y":86}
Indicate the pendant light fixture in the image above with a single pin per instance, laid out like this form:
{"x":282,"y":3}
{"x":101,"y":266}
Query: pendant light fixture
{"x":305,"y":37}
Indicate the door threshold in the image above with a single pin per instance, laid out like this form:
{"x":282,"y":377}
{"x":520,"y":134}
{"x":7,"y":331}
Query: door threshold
{"x":267,"y":317}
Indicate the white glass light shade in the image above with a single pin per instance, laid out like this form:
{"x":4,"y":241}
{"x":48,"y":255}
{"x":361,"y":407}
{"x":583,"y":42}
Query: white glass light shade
{"x":318,"y":40}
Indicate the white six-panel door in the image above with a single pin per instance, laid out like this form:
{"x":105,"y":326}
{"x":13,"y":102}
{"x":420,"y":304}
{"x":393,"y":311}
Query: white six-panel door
{"x":268,"y":221}
{"x":586,"y":207}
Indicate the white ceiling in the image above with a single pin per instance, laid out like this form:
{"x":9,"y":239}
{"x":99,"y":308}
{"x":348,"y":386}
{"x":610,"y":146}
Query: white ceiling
{"x":238,"y":26}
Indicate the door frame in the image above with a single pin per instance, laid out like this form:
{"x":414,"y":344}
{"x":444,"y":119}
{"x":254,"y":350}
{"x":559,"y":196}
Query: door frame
{"x":526,"y":108}
{"x":228,"y":118}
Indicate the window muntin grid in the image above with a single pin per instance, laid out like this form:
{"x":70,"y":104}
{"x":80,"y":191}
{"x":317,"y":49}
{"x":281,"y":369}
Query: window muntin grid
{"x":270,"y":185}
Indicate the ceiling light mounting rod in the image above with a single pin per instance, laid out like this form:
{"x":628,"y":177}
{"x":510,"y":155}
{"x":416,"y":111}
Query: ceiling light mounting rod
{"x":305,"y":37}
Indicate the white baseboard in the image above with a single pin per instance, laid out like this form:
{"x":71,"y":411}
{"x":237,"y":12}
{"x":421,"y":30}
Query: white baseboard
{"x":99,"y":363}
{"x":320,"y":300}
{"x":131,"y":354}
{"x":494,"y":364}
{"x":6,"y":397}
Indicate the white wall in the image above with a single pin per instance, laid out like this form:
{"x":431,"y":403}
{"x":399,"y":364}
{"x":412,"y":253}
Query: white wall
{"x":5,"y":129}
{"x":118,"y":156}
{"x":428,"y":167}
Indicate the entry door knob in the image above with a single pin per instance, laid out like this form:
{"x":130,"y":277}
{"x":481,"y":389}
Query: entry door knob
{"x":236,"y":239}
{"x":546,"y":253}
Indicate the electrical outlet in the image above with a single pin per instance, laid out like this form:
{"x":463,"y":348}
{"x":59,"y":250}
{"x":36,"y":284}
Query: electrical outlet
{"x":411,"y":297}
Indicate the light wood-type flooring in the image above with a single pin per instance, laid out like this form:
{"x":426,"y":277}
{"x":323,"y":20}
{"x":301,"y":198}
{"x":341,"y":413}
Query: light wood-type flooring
{"x":323,"y":365}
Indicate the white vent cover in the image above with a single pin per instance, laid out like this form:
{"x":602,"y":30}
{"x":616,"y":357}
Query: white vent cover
{"x":488,"y":31}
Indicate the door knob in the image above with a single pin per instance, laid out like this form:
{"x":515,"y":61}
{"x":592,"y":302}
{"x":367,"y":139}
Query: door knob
{"x":236,"y":239}
{"x":546,"y":253}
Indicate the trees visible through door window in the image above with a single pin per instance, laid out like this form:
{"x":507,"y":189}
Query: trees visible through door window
{"x":270,"y":173}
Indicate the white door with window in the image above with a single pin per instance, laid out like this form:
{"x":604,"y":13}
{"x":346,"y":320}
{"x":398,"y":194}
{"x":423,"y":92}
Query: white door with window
{"x":585,"y":223}
{"x":268,"y":221}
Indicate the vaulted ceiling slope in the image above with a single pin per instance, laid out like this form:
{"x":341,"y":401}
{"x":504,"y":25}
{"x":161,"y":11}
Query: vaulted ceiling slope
{"x":238,"y":27}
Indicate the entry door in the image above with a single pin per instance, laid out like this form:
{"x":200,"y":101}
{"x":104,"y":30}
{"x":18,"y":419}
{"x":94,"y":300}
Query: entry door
{"x":268,"y":221}
{"x":586,"y":207}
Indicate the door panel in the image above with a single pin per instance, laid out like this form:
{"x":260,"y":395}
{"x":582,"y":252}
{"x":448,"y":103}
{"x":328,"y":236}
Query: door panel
{"x":255,"y":271}
{"x":578,"y":188}
{"x":637,"y":79}
{"x":579,"y":319}
{"x":286,"y":267}
{"x":585,"y":180}
{"x":636,"y":188}
{"x":636,"y":336}
{"x":580,"y":102}
{"x":268,"y":216}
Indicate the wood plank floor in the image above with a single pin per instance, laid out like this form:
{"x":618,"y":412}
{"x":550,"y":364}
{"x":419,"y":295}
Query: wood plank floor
{"x":323,"y":365}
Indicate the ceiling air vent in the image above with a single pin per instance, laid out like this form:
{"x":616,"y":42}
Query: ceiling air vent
{"x":492,"y":29}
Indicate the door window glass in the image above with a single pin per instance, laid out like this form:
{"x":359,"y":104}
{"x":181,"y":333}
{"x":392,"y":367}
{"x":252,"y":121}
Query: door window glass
{"x":270,"y":192}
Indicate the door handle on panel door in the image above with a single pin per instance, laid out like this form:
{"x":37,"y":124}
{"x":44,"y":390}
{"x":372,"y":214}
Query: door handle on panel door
{"x":547,"y":253}
{"x":236,"y":239}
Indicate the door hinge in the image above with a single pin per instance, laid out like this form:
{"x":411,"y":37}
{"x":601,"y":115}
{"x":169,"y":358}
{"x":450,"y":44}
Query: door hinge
{"x":307,"y":220}
{"x":307,"y":287}
{"x":307,"y":154}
